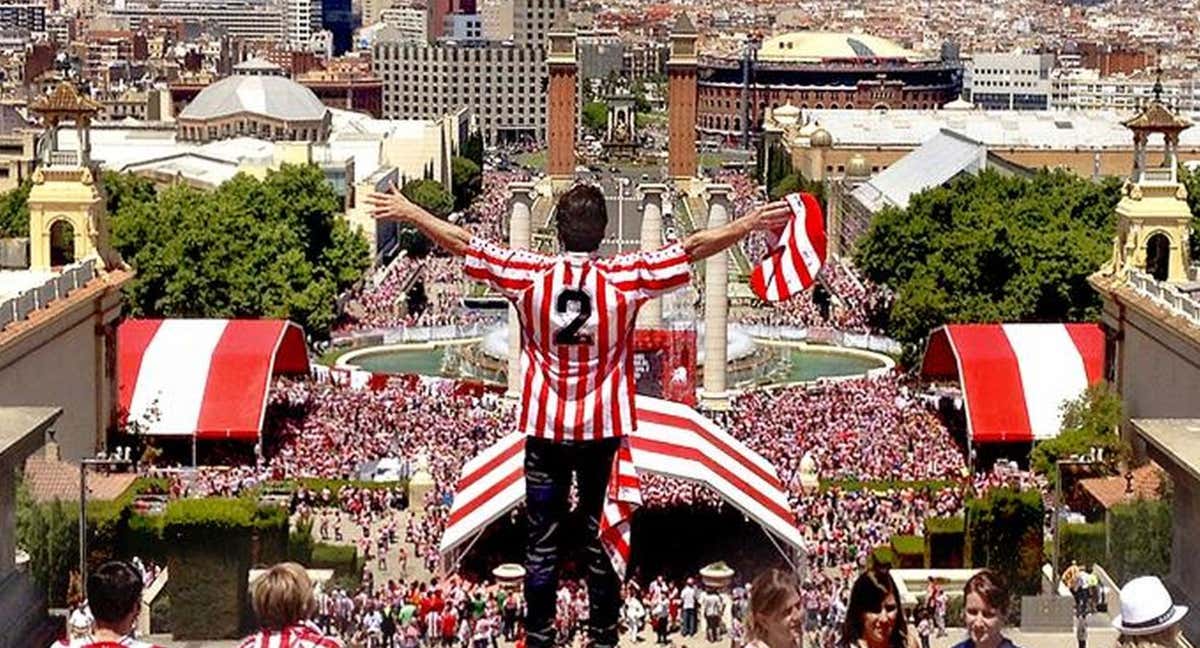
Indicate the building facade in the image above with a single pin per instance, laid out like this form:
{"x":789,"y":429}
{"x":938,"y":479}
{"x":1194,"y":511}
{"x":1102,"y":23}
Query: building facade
{"x":303,"y":21}
{"x":503,"y":84}
{"x":255,"y":19}
{"x":822,"y":70}
{"x":1086,"y":89}
{"x":20,"y":14}
{"x":1006,"y":81}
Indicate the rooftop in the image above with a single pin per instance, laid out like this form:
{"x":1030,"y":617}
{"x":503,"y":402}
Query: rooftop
{"x":1110,"y":491}
{"x":270,"y":96}
{"x":935,"y":162}
{"x":817,"y":46}
{"x":995,"y":129}
{"x":1177,"y":439}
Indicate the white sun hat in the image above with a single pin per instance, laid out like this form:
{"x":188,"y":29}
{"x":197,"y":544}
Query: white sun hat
{"x":1146,"y":607}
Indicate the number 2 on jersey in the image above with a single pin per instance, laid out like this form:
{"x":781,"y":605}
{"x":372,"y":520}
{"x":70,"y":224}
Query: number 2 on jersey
{"x":569,"y":335}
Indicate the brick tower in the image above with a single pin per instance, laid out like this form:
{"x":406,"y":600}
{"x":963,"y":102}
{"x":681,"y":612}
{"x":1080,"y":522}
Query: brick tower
{"x":681,"y":99}
{"x":560,"y":122}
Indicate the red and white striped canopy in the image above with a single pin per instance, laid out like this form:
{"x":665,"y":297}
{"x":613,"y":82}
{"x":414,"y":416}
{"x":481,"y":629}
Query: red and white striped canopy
{"x":671,"y":439}
{"x":203,"y":377}
{"x":1015,"y":377}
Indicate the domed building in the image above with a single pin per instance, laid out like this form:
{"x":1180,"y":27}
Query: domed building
{"x":814,"y":70}
{"x":255,"y":102}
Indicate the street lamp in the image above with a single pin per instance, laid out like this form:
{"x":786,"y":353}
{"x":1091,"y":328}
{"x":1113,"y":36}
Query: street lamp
{"x":83,"y":466}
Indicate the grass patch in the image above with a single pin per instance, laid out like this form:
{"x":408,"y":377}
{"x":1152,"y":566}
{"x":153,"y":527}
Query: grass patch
{"x":535,"y":160}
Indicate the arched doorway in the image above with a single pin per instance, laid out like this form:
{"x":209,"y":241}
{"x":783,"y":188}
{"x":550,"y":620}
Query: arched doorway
{"x":62,"y":243}
{"x":1158,"y":256}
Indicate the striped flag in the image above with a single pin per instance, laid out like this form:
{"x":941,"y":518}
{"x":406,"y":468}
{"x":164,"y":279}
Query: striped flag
{"x":624,"y":496}
{"x":792,"y":266}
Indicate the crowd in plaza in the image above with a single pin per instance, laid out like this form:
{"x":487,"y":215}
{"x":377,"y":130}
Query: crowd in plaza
{"x":867,"y":429}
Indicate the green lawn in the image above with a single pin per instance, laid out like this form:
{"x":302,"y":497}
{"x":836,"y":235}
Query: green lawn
{"x":535,"y":160}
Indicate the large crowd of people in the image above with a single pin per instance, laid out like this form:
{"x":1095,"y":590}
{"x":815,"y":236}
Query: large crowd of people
{"x":867,"y":429}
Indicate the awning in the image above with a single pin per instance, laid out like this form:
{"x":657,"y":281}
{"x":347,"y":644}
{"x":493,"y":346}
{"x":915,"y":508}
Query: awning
{"x":1015,"y":377}
{"x":672,"y":439}
{"x":203,"y":377}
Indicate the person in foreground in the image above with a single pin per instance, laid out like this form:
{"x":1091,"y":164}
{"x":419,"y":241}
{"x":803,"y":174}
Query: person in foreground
{"x":1148,"y":618}
{"x":874,"y":618}
{"x":577,"y":313}
{"x":283,"y":602}
{"x":985,"y":608}
{"x":776,"y":615}
{"x":115,"y":598}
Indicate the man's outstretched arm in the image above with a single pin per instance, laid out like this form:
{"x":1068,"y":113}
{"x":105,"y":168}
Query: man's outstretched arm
{"x":393,"y":205}
{"x":707,"y":242}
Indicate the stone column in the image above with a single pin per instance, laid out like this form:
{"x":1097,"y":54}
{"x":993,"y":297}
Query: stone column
{"x":520,"y":199}
{"x":716,"y":305}
{"x":650,"y":316}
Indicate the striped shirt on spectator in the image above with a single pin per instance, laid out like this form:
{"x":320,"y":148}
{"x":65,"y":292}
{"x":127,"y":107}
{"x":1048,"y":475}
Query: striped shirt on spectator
{"x":577,"y":315}
{"x":301,"y":635}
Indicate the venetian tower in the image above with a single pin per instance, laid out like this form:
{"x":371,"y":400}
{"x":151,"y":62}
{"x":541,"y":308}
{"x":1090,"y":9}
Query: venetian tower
{"x":560,"y":122}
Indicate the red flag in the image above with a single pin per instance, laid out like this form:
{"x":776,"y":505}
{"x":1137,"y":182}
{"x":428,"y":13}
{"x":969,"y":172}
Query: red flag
{"x":793,"y":264}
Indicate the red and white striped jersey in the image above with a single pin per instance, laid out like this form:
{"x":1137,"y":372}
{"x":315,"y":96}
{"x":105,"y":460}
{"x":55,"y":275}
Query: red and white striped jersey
{"x":577,"y":317}
{"x":302,"y":635}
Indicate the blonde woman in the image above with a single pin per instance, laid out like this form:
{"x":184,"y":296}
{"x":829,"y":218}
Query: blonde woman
{"x":1148,"y":618}
{"x":283,"y":601}
{"x":776,"y":615}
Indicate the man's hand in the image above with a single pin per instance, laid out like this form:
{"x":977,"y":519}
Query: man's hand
{"x":392,"y":205}
{"x":772,"y":216}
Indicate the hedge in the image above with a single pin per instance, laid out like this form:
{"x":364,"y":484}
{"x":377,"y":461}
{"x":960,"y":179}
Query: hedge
{"x":1083,"y":543}
{"x":1004,"y":532}
{"x":1141,"y":539}
{"x":334,"y":485}
{"x":214,"y":542}
{"x":342,"y":559}
{"x":945,"y":542}
{"x":882,"y":556}
{"x":883,"y":485}
{"x":909,"y":550}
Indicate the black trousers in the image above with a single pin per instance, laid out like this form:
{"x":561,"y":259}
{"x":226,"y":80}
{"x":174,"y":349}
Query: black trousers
{"x":548,"y":469}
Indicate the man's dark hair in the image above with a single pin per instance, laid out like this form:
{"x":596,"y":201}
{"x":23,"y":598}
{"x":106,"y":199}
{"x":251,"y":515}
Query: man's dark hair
{"x":113,"y":591}
{"x":581,"y":217}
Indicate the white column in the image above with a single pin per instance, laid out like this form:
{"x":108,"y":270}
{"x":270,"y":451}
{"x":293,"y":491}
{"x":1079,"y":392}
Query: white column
{"x":650,"y":316}
{"x":716,"y":305}
{"x":520,"y":201}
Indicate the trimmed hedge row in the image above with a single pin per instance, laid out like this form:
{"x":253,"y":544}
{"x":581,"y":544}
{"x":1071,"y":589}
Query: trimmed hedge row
{"x":883,"y":485}
{"x":1141,"y":539}
{"x":945,"y":542}
{"x":1083,"y":543}
{"x":1004,"y":532}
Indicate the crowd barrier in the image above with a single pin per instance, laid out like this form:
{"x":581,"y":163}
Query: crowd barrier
{"x":816,"y":335}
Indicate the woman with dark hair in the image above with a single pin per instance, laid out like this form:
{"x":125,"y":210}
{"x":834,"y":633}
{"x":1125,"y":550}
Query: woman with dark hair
{"x":776,"y":615}
{"x":985,"y":608}
{"x":874,"y":618}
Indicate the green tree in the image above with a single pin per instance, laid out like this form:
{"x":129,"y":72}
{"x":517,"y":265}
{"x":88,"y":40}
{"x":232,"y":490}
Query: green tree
{"x":1141,"y":539}
{"x":431,"y":195}
{"x":250,"y":248}
{"x":1191,"y":181}
{"x":49,"y":533}
{"x":14,"y":211}
{"x":1004,"y":532}
{"x":991,"y":248}
{"x":473,"y":148}
{"x":595,"y":116}
{"x":468,"y":181}
{"x":1089,"y":421}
